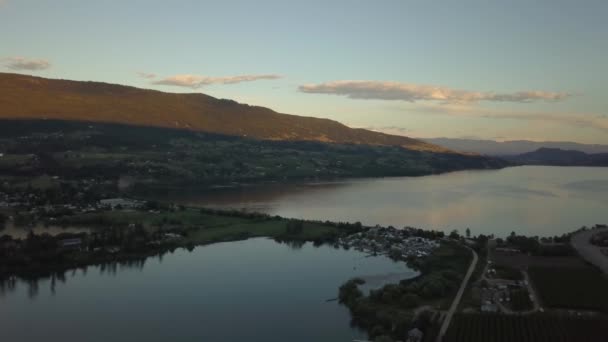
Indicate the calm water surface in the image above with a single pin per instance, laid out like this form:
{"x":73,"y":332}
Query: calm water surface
{"x":533,"y":200}
{"x":253,"y":290}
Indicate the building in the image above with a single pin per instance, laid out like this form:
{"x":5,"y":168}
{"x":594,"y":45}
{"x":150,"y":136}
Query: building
{"x":415,"y":335}
{"x":489,"y":308}
{"x":75,"y":243}
{"x":123,"y":203}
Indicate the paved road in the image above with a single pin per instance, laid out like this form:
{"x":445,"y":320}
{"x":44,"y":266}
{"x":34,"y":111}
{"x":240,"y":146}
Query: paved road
{"x":589,"y":252}
{"x":532,"y":292}
{"x":452,"y":310}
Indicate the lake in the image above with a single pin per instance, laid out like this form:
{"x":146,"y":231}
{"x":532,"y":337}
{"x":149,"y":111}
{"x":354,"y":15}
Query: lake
{"x":231,"y":291}
{"x":531,"y":200}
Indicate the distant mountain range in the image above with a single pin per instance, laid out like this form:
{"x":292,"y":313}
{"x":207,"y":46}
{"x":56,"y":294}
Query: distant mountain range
{"x":558,"y":157}
{"x":28,"y":97}
{"x":509,"y":148}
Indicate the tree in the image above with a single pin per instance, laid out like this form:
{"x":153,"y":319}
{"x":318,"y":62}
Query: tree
{"x":380,"y":332}
{"x":481,"y":243}
{"x":22,"y":220}
{"x":468,"y":232}
{"x":454,"y":234}
{"x":410,"y":300}
{"x":349,"y":292}
{"x":383,"y":338}
{"x":152,"y":205}
{"x":3,"y":220}
{"x":294,"y":227}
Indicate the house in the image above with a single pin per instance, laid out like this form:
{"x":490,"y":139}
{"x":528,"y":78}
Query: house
{"x":75,"y":243}
{"x":489,"y":308}
{"x":170,"y":236}
{"x":470,"y":242}
{"x":112,"y":249}
{"x":415,"y":335}
{"x":119,"y":203}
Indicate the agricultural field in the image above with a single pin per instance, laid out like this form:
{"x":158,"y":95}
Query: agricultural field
{"x":520,"y":300}
{"x":525,"y":328}
{"x":582,"y":288}
{"x":523,"y":261}
{"x":504,"y":272}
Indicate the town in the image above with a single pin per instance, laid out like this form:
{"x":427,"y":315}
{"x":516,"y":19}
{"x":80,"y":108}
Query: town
{"x":399,"y":244}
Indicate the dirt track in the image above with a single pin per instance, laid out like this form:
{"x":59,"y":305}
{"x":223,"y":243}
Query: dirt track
{"x":589,"y":252}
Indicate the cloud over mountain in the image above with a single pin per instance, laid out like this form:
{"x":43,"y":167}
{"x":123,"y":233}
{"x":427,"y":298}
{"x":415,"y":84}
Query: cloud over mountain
{"x":390,"y":90}
{"x":23,"y":63}
{"x":195,"y":81}
{"x":146,"y":75}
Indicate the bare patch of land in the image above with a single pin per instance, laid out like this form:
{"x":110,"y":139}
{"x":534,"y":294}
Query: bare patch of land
{"x":523,"y":261}
{"x":591,"y":253}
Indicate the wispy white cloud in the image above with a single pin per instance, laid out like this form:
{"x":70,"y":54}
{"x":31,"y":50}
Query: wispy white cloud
{"x":584,"y":120}
{"x":146,"y":75}
{"x":23,"y":63}
{"x":195,"y":81}
{"x":389,"y":90}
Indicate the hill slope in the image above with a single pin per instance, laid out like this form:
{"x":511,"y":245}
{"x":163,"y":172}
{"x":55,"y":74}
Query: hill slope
{"x":509,"y":148}
{"x":555,"y":156}
{"x":164,"y":158}
{"x":28,"y":97}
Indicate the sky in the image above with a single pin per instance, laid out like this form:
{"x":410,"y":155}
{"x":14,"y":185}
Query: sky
{"x":501,"y":70}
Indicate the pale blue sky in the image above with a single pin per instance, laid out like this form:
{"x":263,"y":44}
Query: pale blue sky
{"x":559,"y":48}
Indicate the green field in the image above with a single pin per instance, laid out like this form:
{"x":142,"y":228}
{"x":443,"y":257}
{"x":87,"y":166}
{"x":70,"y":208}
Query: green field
{"x":201,"y":227}
{"x":509,"y":273}
{"x":124,"y":236}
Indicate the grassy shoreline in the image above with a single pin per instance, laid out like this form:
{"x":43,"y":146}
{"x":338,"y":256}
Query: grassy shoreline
{"x":118,"y":235}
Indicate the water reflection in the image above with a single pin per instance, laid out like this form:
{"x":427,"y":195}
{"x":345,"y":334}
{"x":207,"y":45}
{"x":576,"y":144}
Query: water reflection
{"x":530,"y":200}
{"x":197,"y":296}
{"x":32,"y":281}
{"x":253,"y":196}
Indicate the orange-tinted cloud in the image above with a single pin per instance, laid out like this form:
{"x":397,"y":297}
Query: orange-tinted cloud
{"x":389,"y":90}
{"x":195,"y":81}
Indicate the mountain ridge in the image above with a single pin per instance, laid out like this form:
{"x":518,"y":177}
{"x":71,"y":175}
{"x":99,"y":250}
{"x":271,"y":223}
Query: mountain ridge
{"x":559,"y":157}
{"x":513,"y":147}
{"x":31,"y":97}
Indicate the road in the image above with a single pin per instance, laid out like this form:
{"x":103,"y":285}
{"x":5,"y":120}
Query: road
{"x":456,"y":302}
{"x":532,"y":292}
{"x":589,"y":252}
